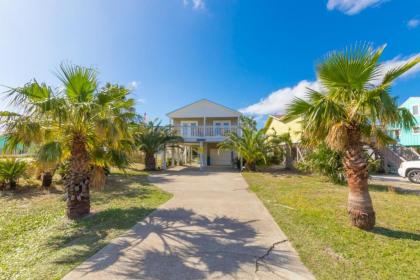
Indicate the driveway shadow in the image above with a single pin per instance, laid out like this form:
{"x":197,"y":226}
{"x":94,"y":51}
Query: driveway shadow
{"x":181,"y":244}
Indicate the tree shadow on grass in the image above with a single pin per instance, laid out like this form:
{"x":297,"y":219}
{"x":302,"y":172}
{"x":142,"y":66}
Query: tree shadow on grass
{"x":181,"y":244}
{"x":89,"y":234}
{"x":397,"y":234}
{"x":127,"y":187}
{"x":29,"y":191}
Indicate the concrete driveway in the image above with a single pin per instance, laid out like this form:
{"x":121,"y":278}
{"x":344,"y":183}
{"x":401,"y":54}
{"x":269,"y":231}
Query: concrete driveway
{"x":396,"y":183}
{"x":213,"y":228}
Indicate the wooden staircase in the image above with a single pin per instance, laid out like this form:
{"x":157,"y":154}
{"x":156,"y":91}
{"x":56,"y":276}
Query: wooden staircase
{"x":392,"y":156}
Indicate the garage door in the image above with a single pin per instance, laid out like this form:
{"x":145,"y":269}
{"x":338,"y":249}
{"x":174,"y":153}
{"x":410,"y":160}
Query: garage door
{"x":220,"y":158}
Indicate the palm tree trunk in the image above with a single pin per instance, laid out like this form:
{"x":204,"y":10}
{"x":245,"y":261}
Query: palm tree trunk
{"x":360,"y":208}
{"x":288,"y":160}
{"x":150,"y":161}
{"x":77,"y":180}
{"x":12,"y":185}
{"x":46,"y":179}
{"x":250,"y":166}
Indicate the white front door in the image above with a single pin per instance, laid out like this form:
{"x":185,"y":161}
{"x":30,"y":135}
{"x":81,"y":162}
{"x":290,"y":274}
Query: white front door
{"x":189,"y":128}
{"x":220,"y":157}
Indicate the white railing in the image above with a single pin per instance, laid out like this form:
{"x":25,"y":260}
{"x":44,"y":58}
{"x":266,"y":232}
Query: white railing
{"x":204,"y":131}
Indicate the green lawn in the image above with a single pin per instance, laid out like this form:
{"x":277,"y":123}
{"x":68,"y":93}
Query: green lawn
{"x":312,"y":213}
{"x":38,"y":242}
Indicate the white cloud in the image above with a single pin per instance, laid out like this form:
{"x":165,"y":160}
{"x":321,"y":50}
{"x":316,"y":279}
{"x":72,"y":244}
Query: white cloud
{"x":133,"y":85}
{"x":413,"y":23}
{"x":195,"y":4}
{"x":352,"y":7}
{"x":141,"y":100}
{"x":277,"y":101}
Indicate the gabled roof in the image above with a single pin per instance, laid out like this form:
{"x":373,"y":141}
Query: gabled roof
{"x":275,"y":117}
{"x":203,"y":108}
{"x":410,"y":99}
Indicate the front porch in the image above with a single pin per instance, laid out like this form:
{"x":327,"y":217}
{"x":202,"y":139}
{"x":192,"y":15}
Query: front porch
{"x":200,"y":154}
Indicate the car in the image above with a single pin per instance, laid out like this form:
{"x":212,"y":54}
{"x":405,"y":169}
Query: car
{"x":410,"y":170}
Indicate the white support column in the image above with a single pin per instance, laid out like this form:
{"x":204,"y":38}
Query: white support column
{"x":238,"y":126}
{"x":180,"y":156}
{"x":205,"y":127}
{"x":173,"y":156}
{"x":191,"y":154}
{"x":164,"y":158}
{"x":201,"y":155}
{"x":185,"y":155}
{"x":206,"y":146}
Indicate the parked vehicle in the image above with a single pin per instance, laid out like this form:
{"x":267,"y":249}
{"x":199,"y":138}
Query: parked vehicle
{"x":410,"y":170}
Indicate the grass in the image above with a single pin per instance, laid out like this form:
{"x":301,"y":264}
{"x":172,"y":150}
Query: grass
{"x":312,"y":213}
{"x":38,"y":242}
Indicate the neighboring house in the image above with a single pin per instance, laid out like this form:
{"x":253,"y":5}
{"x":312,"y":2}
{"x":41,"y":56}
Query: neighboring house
{"x":275,"y":124}
{"x":408,"y":140}
{"x":408,"y":137}
{"x":202,"y":126}
{"x":18,"y":151}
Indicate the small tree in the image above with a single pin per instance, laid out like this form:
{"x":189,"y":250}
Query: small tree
{"x":325,"y":161}
{"x":249,"y":143}
{"x":71,"y":121}
{"x":151,"y":138}
{"x":283,"y":142}
{"x":11,"y":170}
{"x":48,"y":158}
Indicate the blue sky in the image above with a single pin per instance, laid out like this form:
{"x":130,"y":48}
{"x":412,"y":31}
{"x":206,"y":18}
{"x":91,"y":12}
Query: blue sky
{"x":249,"y":55}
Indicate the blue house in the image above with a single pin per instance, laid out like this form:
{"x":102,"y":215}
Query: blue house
{"x":410,"y":137}
{"x":19,"y":150}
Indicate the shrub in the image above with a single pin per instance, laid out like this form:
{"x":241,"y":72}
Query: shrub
{"x":325,"y":161}
{"x":11,"y":170}
{"x":374,"y":165}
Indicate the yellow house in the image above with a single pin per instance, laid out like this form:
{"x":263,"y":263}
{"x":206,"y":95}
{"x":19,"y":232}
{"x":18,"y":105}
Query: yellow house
{"x":275,"y":124}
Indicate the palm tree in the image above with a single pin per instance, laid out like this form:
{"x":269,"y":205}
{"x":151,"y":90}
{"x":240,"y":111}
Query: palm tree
{"x":285,"y":141}
{"x":353,"y":109}
{"x":151,"y":138}
{"x":72,"y":120}
{"x":48,"y":158}
{"x":105,"y":155}
{"x":251,"y":144}
{"x":11,"y":170}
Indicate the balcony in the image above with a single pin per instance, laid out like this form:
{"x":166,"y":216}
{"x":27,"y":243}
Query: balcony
{"x":211,"y":132}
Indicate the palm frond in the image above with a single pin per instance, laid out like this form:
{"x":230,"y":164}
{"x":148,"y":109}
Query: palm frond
{"x":354,"y":68}
{"x":396,"y":72}
{"x":297,"y":109}
{"x":350,"y":103}
{"x":80,"y":83}
{"x":50,"y":152}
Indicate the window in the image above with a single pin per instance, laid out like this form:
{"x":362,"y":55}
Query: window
{"x":415,"y":109}
{"x":189,"y":128}
{"x":416,"y":130}
{"x":221,"y":128}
